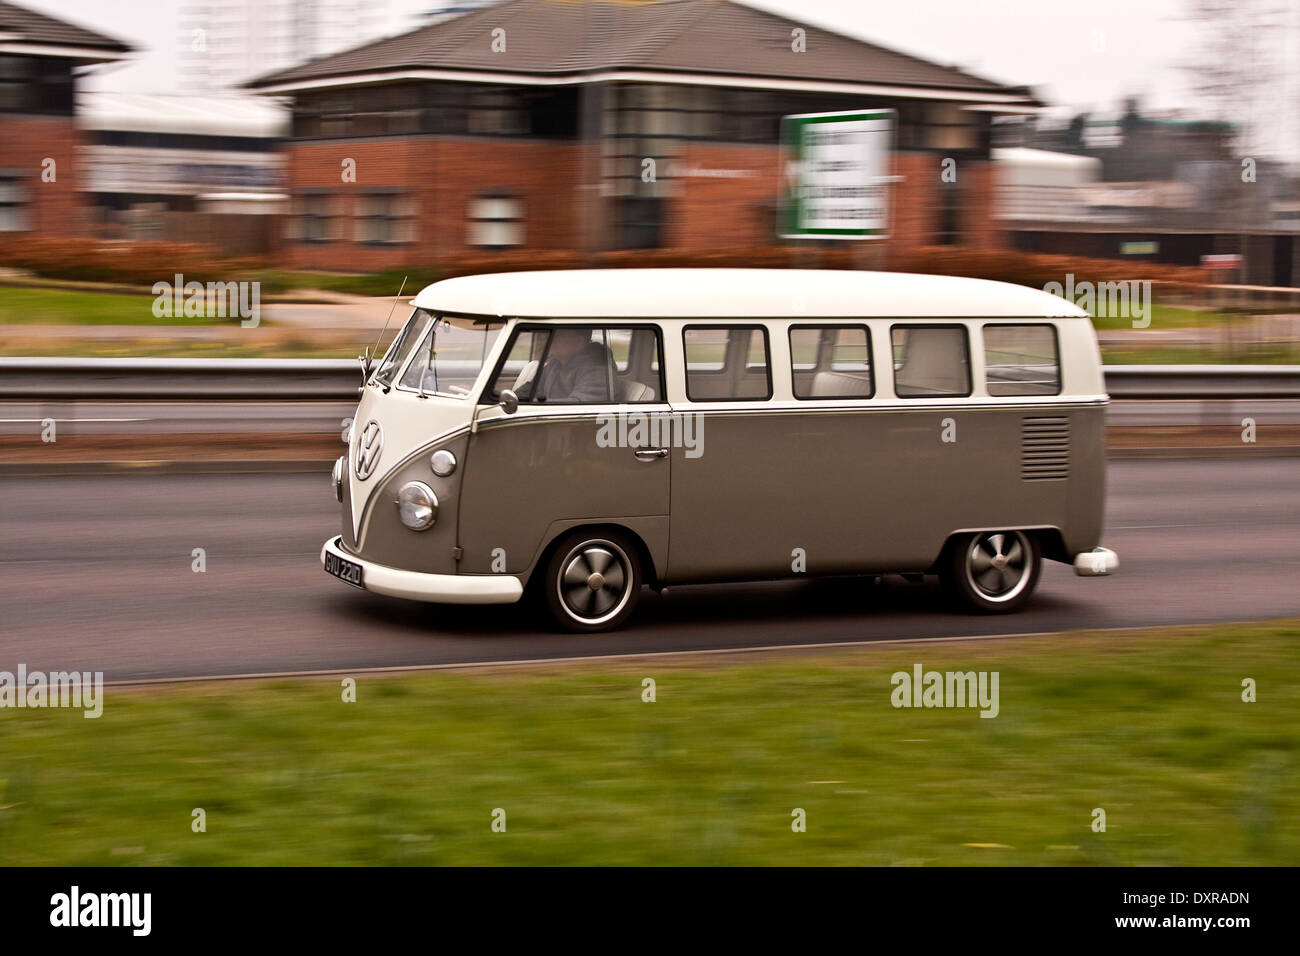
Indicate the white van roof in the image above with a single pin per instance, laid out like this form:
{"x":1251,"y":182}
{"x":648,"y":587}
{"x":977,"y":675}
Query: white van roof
{"x":736,"y":293}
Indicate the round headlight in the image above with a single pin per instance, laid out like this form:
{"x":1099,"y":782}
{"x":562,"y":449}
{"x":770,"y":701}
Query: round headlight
{"x":417,"y":505}
{"x":443,"y":463}
{"x":336,"y":479}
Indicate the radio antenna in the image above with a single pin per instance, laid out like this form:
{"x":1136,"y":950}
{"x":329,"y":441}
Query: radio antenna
{"x":390,"y":313}
{"x":365,"y":359}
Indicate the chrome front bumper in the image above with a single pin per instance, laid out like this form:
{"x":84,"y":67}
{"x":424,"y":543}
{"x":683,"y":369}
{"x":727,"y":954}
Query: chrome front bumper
{"x":438,"y":588}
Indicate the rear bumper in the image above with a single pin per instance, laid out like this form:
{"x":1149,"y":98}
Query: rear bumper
{"x":1096,"y":563}
{"x":438,"y":588}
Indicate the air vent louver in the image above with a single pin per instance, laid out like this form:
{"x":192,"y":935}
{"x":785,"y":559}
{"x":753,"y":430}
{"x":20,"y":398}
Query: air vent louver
{"x":1044,"y":448}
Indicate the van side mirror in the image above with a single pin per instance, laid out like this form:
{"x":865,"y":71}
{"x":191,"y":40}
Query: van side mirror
{"x":509,"y":401}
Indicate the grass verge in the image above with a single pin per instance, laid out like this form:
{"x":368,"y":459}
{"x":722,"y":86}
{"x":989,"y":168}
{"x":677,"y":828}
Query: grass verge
{"x":1147,"y":725}
{"x":65,"y":307}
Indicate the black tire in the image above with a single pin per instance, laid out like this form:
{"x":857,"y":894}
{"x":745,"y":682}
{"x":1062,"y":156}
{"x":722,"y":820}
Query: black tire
{"x":992,"y":572}
{"x":593,"y":581}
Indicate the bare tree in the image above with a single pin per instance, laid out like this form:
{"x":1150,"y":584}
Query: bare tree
{"x":1237,"y":73}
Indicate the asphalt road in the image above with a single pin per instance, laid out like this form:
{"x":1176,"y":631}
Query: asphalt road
{"x":96,"y":575}
{"x":144,"y":418}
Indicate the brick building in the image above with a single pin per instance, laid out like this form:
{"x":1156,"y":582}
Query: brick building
{"x":40,"y":58}
{"x":526,"y":125}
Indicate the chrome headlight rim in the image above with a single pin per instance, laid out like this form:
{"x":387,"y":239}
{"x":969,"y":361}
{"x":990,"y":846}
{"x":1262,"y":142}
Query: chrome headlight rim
{"x":417,"y":506}
{"x":443,"y":463}
{"x":336,"y":477}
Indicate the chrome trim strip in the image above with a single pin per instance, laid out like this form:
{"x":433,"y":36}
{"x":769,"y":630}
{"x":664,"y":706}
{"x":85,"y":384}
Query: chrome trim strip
{"x":867,"y":405}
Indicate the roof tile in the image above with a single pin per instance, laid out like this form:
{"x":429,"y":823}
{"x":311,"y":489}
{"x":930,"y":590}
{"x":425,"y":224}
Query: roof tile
{"x":567,"y":37}
{"x":32,"y":27}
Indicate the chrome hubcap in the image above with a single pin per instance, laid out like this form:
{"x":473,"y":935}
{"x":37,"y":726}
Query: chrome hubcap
{"x":998,"y":565}
{"x":595,"y":580}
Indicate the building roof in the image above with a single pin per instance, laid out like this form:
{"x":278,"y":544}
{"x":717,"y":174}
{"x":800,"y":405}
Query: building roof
{"x":555,"y":39}
{"x":36,"y":34}
{"x":736,"y":293}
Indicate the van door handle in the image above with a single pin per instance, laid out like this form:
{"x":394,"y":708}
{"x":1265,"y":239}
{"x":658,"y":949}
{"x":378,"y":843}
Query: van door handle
{"x":650,"y":454}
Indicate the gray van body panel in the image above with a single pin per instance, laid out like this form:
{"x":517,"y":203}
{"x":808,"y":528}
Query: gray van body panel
{"x":871,"y":489}
{"x":532,"y":476}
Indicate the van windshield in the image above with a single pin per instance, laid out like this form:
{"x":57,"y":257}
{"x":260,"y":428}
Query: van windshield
{"x":449,"y":356}
{"x":401,"y":347}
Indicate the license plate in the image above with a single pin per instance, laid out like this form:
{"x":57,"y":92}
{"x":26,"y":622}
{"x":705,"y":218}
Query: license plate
{"x":342,"y":569}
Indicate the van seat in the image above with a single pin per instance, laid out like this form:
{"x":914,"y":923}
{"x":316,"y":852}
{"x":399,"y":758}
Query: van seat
{"x":630,"y":390}
{"x":828,"y":384}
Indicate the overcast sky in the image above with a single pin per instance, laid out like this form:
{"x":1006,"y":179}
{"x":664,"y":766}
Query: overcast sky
{"x":1080,"y":54}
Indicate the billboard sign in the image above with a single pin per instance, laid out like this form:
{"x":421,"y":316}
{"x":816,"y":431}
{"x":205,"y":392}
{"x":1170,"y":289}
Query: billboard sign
{"x":836,"y":175}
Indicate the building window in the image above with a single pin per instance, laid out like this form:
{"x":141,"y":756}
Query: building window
{"x":948,"y":228}
{"x":497,"y":112}
{"x":13,"y":202}
{"x":14,"y":83}
{"x":950,"y":128}
{"x":385,"y":217}
{"x":640,"y":222}
{"x":314,"y":217}
{"x":36,"y":84}
{"x":496,"y":221}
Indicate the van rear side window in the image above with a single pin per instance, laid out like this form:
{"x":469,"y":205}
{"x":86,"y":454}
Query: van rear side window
{"x":931,"y":361}
{"x":1021,"y":360}
{"x":727,"y":363}
{"x":830,"y":361}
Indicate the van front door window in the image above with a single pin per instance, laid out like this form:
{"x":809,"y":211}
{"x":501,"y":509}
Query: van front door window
{"x":578,"y":369}
{"x":581,"y":365}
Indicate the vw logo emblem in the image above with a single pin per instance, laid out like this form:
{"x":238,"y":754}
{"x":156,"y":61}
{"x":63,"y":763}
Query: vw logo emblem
{"x":368,"y":448}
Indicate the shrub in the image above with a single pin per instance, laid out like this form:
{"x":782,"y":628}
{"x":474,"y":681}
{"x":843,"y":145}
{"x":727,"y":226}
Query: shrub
{"x":130,"y":263}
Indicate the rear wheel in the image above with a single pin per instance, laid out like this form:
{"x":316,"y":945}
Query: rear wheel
{"x":992,"y":572}
{"x":593,"y":581}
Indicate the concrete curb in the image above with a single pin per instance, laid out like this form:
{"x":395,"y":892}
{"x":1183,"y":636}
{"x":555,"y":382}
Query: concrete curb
{"x":638,"y":658}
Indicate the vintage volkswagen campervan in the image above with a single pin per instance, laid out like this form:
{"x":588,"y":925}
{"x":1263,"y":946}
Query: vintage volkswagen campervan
{"x":585,"y":433}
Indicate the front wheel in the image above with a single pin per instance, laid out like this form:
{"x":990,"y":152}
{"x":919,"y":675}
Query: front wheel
{"x":593,"y":582}
{"x":992,"y":572}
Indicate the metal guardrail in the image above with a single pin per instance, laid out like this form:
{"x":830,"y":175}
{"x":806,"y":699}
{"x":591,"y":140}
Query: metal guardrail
{"x":336,"y":380}
{"x":193,"y":380}
{"x":1168,"y":382}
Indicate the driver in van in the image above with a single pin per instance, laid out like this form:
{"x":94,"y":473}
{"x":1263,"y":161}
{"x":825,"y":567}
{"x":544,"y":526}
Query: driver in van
{"x":577,"y":369}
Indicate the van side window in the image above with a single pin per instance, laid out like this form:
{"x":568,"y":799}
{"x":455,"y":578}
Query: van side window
{"x":580,"y":365}
{"x":1021,"y":360}
{"x":830,"y":361}
{"x":930,"y":361}
{"x":727,"y":363}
